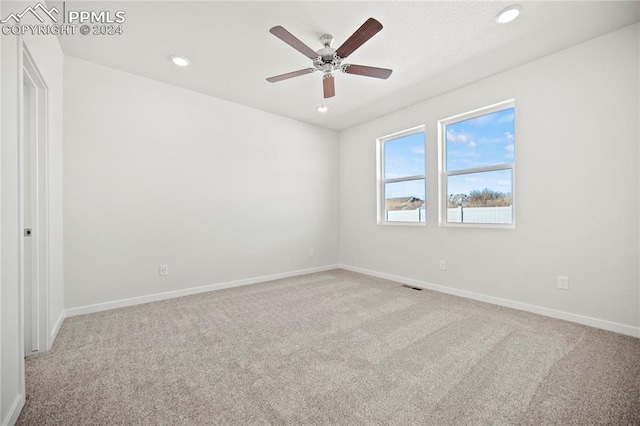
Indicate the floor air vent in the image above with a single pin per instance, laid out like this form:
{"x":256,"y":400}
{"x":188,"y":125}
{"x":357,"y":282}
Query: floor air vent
{"x":411,"y":287}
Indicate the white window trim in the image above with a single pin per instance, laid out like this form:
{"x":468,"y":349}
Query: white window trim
{"x":442,"y":172}
{"x":380,"y":199}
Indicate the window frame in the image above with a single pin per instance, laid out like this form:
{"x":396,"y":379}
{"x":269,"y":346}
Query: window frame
{"x":381,"y":181}
{"x":443,"y":174}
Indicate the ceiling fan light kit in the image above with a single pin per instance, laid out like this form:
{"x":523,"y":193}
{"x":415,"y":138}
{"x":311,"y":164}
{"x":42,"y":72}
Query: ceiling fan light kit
{"x":329,"y":60}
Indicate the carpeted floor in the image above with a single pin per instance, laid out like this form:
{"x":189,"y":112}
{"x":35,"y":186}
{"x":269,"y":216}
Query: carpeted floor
{"x":331,"y":348}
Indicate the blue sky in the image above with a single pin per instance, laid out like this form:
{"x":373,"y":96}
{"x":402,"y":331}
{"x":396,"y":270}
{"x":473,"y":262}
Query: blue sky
{"x":403,"y":157}
{"x":478,"y":142}
{"x":482,"y":141}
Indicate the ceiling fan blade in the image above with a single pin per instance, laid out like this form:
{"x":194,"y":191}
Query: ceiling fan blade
{"x":383,"y":73}
{"x":281,"y":77}
{"x":328,"y":86}
{"x":357,"y":39}
{"x":292,"y":41}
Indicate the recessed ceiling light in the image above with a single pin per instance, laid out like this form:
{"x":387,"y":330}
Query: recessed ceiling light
{"x":323,"y":108}
{"x":180,"y":61}
{"x":508,"y":14}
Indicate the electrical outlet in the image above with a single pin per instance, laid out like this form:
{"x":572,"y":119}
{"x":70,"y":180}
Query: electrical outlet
{"x":563,"y":283}
{"x":443,"y":265}
{"x":312,"y":252}
{"x":164,"y":269}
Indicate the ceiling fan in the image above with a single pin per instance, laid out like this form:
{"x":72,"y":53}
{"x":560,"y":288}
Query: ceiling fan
{"x":329,"y":59}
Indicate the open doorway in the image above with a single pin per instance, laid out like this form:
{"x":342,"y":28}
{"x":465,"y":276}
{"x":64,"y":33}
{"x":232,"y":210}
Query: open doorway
{"x":34,"y":206}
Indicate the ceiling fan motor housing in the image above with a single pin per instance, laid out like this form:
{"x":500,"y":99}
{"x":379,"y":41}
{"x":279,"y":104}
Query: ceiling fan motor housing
{"x":327,"y":60}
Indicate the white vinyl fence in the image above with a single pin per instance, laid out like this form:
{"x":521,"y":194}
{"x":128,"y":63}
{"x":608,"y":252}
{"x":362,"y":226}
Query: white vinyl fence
{"x":456,"y":215}
{"x":480,"y":215}
{"x":417,"y":215}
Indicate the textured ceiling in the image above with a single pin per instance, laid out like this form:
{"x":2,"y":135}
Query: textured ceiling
{"x":432,"y":47}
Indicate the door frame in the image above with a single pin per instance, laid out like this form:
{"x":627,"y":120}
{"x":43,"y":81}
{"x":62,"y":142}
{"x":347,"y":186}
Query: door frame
{"x":40,"y":237}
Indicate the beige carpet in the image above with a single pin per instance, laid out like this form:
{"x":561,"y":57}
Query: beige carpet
{"x":331,"y":348}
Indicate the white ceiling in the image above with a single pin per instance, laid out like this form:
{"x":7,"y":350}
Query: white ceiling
{"x":432,"y":46}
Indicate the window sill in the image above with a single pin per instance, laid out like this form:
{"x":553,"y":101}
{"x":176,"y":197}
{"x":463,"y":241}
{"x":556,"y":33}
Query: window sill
{"x":402,"y":223}
{"x":479,"y":225}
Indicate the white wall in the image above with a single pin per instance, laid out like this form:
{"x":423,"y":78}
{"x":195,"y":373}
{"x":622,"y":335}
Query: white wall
{"x":577,"y":150}
{"x":49,"y":59}
{"x":156,"y":174}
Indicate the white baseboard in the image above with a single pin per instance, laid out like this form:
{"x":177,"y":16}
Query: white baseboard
{"x":14,"y":411}
{"x":56,"y":328}
{"x":81,"y":310}
{"x":580,"y":319}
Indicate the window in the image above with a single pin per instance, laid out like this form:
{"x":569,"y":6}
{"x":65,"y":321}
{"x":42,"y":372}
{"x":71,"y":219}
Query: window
{"x":401,"y":177}
{"x":477,"y":166}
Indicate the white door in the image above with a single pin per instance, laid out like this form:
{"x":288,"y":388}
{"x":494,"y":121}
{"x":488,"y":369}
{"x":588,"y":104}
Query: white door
{"x":34,"y":186}
{"x":29,"y":216}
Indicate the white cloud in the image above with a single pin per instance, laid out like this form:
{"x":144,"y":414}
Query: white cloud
{"x":396,"y":160}
{"x":509,"y":135}
{"x":452,"y":136}
{"x":510,"y":147}
{"x":471,"y":144}
{"x":473,"y":179}
{"x":418,"y":150}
